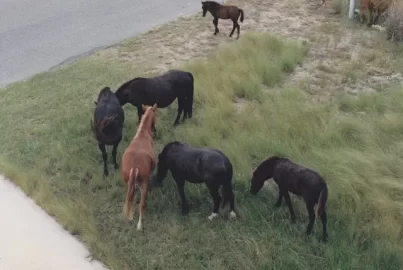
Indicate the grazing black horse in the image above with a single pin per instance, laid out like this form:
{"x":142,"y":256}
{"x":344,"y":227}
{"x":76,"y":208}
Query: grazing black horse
{"x":108,"y":123}
{"x":298,"y":180}
{"x":162,"y":89}
{"x":198,"y":165}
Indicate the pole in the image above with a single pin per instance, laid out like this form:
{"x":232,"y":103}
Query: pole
{"x":351,"y":9}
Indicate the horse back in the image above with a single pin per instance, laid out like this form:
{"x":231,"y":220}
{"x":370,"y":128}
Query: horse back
{"x":228,"y":12}
{"x":296,"y":178}
{"x":196,"y":164}
{"x":139,"y":156}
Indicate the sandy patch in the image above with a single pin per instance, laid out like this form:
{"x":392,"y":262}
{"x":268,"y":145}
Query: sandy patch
{"x":342,"y":57}
{"x":32,"y":240}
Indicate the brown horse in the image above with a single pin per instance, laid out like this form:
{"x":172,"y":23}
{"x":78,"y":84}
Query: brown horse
{"x":224,"y":12}
{"x":138,"y":162}
{"x":371,"y":10}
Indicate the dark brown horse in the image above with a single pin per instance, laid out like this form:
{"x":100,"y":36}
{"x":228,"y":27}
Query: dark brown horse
{"x":291,"y":177}
{"x":224,"y":12}
{"x":138,"y":162}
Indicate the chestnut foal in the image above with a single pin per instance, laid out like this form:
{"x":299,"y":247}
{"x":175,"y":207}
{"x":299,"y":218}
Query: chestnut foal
{"x":138,"y":162}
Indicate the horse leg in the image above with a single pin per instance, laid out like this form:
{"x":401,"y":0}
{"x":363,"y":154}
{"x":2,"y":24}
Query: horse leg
{"x":280,"y":198}
{"x":215,"y":22}
{"x":139,"y":112}
{"x":216,"y":198}
{"x":144,"y":192}
{"x":232,"y":213}
{"x":181,"y":104}
{"x":323,"y":218}
{"x":104,"y":157}
{"x":311,"y":213}
{"x":114,"y":152}
{"x":238,"y":30}
{"x":370,"y":18}
{"x":288,"y":201}
{"x":233,"y":28}
{"x":180,"y":183}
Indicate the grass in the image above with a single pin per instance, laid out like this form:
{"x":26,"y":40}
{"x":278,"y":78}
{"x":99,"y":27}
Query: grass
{"x":355,"y":142}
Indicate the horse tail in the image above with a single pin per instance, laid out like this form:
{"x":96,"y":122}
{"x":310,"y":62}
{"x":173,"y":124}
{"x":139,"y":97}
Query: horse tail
{"x":106,"y":124}
{"x":190,"y":97}
{"x":227,"y":193}
{"x":241,"y":11}
{"x":130,"y":193}
{"x":321,"y":202}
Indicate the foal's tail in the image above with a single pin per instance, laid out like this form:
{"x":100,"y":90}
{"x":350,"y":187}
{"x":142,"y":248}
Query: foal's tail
{"x":241,"y":11}
{"x":189,"y":104}
{"x":321,"y":202}
{"x":130,"y":193}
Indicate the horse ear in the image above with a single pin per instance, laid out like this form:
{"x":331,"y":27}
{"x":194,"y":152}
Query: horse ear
{"x":143,"y":107}
{"x":96,"y":103}
{"x":155,"y":106}
{"x":202,"y":2}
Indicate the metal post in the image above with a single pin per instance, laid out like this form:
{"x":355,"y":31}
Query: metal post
{"x":351,"y":9}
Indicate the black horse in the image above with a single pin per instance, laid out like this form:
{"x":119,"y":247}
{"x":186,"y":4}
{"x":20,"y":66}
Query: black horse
{"x":163,"y":90}
{"x":108,"y":123}
{"x":198,"y":165}
{"x":298,"y":180}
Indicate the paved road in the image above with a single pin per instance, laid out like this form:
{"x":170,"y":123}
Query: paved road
{"x":36,"y":35}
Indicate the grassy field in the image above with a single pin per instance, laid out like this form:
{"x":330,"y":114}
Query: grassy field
{"x":255,"y":97}
{"x":354,"y":142}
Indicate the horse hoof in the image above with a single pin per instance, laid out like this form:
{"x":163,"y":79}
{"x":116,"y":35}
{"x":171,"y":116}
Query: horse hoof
{"x":232,"y":215}
{"x":212,"y":216}
{"x":116,"y":166}
{"x":139,"y":227}
{"x":185,"y":212}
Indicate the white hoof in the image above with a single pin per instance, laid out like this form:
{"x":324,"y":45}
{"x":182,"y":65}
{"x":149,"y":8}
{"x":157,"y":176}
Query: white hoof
{"x":232,"y":215}
{"x":212,"y":216}
{"x":139,"y":226}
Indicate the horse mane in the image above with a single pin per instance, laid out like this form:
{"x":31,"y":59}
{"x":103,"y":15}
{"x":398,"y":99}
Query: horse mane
{"x":144,"y":118}
{"x":124,"y":85}
{"x":269,"y":161}
{"x":213,"y":3}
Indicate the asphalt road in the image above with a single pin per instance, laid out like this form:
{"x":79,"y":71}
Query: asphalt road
{"x":36,"y":35}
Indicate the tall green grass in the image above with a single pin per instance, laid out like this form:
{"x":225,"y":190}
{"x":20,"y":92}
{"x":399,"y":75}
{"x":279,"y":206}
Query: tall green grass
{"x":355,"y":143}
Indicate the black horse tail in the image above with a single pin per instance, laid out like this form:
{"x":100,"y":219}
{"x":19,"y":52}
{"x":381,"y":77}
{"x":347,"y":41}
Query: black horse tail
{"x":322,"y":202}
{"x":227,"y":193}
{"x":189,"y":103}
{"x":107,"y":125}
{"x":241,"y":11}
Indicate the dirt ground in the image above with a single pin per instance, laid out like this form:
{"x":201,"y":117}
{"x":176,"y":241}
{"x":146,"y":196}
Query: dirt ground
{"x":344,"y":56}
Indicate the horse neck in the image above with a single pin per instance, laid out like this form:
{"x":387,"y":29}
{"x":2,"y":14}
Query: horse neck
{"x":214,"y":9}
{"x":144,"y":128}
